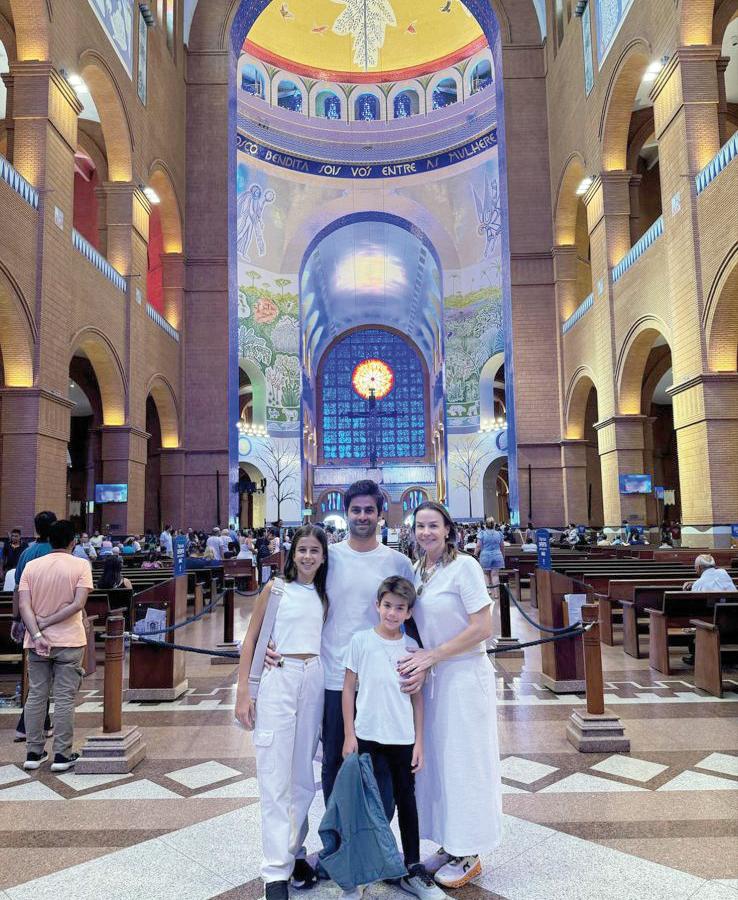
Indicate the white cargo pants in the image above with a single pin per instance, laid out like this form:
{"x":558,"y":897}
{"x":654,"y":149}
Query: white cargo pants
{"x":289,"y":713}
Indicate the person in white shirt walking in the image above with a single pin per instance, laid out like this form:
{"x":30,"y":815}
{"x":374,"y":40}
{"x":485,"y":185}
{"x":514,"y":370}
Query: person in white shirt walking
{"x":165,"y":541}
{"x":289,"y":712}
{"x":389,"y":724}
{"x":214,"y":543}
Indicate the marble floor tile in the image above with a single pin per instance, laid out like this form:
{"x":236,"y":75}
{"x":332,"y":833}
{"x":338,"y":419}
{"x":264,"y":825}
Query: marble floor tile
{"x":526,"y":771}
{"x":716,"y":762}
{"x":699,"y":781}
{"x":149,"y":870}
{"x":9,"y":774}
{"x":568,"y":868}
{"x":629,"y":767}
{"x":247,"y":788}
{"x":581,"y":782}
{"x":84,"y":782}
{"x":511,"y":789}
{"x":203,"y":774}
{"x":32,"y":790}
{"x":133,"y":790}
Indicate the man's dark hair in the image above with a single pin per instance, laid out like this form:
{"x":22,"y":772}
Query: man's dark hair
{"x":61,"y":534}
{"x":43,"y":522}
{"x":364,"y":488}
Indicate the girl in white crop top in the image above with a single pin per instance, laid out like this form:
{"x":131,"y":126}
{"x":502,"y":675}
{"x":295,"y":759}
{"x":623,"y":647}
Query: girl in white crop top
{"x":287,"y":718}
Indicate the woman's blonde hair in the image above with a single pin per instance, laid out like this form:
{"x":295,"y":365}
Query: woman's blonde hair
{"x":450,"y":551}
{"x":209,"y":553}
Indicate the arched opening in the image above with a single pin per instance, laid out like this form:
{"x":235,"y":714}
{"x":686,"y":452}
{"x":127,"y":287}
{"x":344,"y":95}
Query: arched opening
{"x":411,"y":500}
{"x":4,"y":69}
{"x":492,"y":404}
{"x":289,"y":96}
{"x":572,"y":235}
{"x":84,"y":451}
{"x":366,"y":108}
{"x":86,"y":182}
{"x":252,"y":496}
{"x":164,"y":284}
{"x":252,"y":81}
{"x":154,"y":275}
{"x":252,"y":394}
{"x":328,"y":105}
{"x":153,"y":506}
{"x":582,"y":414}
{"x":645,"y":380}
{"x":481,"y":76}
{"x":496,"y":490}
{"x":445,"y":93}
{"x":406,"y":104}
{"x":104,"y":103}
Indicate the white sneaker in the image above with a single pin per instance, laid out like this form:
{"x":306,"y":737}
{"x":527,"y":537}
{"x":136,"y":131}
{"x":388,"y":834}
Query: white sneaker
{"x":436,"y":861}
{"x":459,"y":871}
{"x":421,"y":884}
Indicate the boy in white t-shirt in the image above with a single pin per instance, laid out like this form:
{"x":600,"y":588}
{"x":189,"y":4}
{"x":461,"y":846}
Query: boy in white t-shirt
{"x":389,"y":723}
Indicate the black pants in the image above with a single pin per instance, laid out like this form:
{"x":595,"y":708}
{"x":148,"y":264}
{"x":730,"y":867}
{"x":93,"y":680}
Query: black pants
{"x":332,"y":737}
{"x":395,"y":761}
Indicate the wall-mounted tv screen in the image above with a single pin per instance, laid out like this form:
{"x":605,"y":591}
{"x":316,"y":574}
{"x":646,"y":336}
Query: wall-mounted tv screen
{"x":111,"y":493}
{"x":635,"y":484}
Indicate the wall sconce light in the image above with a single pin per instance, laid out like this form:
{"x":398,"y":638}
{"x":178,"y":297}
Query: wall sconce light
{"x":151,"y":194}
{"x":583,"y":186}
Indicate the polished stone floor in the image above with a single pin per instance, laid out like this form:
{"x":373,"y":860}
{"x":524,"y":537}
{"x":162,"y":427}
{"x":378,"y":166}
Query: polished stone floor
{"x":660,"y":822}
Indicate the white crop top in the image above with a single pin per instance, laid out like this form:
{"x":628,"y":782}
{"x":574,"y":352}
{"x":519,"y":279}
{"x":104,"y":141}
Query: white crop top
{"x":299,"y":623}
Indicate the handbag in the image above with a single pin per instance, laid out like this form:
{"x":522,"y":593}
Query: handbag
{"x":265,"y":635}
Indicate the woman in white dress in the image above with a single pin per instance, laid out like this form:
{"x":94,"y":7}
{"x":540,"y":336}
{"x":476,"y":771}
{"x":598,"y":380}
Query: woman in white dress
{"x":458,"y":791}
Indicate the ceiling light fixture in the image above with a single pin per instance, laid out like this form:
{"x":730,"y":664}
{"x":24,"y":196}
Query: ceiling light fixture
{"x":653,"y":70}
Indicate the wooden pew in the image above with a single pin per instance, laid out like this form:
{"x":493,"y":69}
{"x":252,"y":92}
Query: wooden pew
{"x":667,"y":622}
{"x":635,"y":614}
{"x":562,"y":662}
{"x":713,"y":641}
{"x":619,"y":589}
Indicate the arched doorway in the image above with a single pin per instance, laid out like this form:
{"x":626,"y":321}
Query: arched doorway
{"x":84,"y":455}
{"x":496,"y":490}
{"x":153,"y":507}
{"x":252,"y":496}
{"x":585,"y":501}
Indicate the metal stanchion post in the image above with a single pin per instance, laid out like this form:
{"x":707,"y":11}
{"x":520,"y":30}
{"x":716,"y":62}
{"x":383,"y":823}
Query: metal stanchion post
{"x":228,"y":613}
{"x":505,"y":638}
{"x":112,"y":749}
{"x":595,"y":730}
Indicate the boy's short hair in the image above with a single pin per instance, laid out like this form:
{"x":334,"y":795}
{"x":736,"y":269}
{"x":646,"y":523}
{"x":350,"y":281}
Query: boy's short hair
{"x":399,"y":586}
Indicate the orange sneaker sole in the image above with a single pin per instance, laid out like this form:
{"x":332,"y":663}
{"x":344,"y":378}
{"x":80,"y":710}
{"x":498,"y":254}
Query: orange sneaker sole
{"x":475,"y":870}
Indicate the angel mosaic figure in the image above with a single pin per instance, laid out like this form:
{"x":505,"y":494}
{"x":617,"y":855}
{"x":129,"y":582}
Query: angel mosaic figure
{"x":489,"y":214}
{"x":251,"y":205}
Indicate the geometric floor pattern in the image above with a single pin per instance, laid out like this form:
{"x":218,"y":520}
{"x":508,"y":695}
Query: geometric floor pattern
{"x":659,"y":822}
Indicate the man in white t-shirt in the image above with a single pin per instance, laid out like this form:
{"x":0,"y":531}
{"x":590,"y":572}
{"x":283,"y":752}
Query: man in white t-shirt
{"x":214,"y":543}
{"x":165,"y":541}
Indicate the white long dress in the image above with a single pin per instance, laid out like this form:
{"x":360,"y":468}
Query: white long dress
{"x":459,"y":793}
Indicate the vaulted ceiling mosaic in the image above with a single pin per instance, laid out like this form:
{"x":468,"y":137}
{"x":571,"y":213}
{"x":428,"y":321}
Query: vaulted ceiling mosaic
{"x":343,"y":40}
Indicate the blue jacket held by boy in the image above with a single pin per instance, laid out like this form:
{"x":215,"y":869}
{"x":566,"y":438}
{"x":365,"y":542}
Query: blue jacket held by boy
{"x":358,"y":844}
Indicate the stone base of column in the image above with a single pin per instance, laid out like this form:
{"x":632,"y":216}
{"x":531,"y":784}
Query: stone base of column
{"x":559,"y":686}
{"x":224,"y":660}
{"x":164,"y":694}
{"x":111,"y":754}
{"x":597,"y":733}
{"x":506,"y":642}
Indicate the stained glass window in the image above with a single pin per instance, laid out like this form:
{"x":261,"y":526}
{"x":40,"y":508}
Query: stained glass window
{"x":413,"y":499}
{"x":333,"y":502}
{"x":367,"y":107}
{"x":400,"y":415}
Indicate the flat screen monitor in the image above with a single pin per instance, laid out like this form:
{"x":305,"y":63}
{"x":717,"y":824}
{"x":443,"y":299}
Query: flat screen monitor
{"x":111,"y":493}
{"x":635,"y":484}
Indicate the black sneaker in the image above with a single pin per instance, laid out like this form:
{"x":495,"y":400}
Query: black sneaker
{"x":276,"y":890}
{"x":689,"y":660}
{"x":64,"y":763}
{"x":35,"y":760}
{"x":303,"y":875}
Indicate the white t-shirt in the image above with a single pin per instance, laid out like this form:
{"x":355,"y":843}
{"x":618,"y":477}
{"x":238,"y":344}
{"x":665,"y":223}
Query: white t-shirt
{"x":299,"y":622}
{"x":214,"y":542}
{"x":383,"y":713}
{"x":165,"y":542}
{"x":714,"y":579}
{"x":353,"y":579}
{"x":449,"y":597}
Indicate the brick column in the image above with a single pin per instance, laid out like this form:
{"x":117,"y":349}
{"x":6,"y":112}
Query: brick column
{"x":621,"y":446}
{"x":687,"y":101}
{"x":172,"y":486}
{"x":210,"y":434}
{"x":123,"y":451}
{"x":35,"y":430}
{"x":723,"y":131}
{"x":173,"y":280}
{"x":574,"y":466}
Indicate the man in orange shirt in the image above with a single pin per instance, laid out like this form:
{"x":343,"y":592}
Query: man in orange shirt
{"x":53,"y":591}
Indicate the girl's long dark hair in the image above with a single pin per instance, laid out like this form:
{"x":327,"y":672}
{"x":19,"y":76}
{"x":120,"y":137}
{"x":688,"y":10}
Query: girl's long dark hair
{"x":112,"y":569}
{"x":321,"y":576}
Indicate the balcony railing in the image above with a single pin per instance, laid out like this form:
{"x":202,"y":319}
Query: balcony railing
{"x":157,"y":317}
{"x":639,"y":248}
{"x":585,"y":305}
{"x":98,"y":260}
{"x":18,"y":183}
{"x":725,"y":154}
